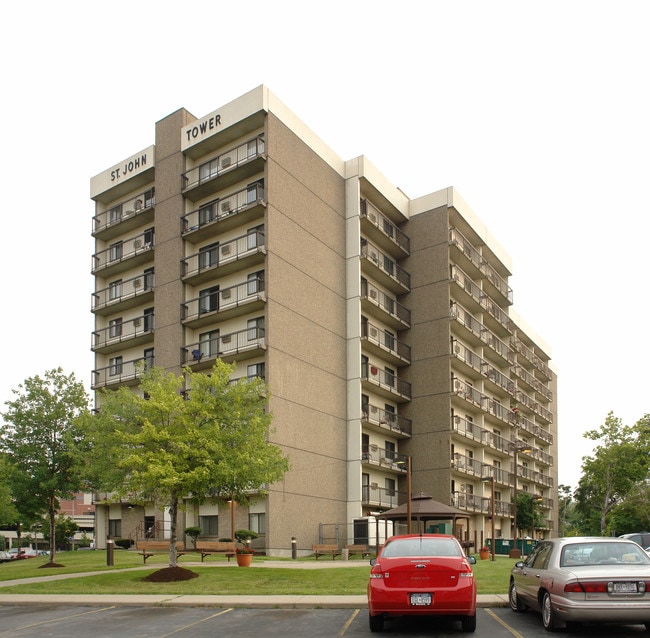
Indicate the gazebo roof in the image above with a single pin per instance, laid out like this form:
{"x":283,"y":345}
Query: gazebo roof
{"x":423,"y":508}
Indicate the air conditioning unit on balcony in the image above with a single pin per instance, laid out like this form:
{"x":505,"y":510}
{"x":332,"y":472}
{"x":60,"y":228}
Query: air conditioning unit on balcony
{"x":137,"y":244}
{"x":225,"y":294}
{"x":372,"y":217}
{"x":137,"y":283}
{"x":226,"y":207}
{"x":373,"y":332}
{"x":373,"y":293}
{"x":225,"y":250}
{"x":226,"y":161}
{"x":136,"y":323}
{"x":373,"y":486}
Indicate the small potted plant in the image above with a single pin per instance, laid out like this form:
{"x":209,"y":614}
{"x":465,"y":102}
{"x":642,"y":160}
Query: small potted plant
{"x":484,"y":552}
{"x":244,"y":553}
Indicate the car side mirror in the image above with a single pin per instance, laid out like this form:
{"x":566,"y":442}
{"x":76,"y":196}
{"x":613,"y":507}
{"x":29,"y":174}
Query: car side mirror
{"x":373,"y":561}
{"x":471,"y":560}
{"x":519,"y":563}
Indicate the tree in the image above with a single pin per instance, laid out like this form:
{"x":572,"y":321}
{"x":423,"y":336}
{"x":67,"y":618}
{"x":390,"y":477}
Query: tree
{"x":43,"y":444}
{"x":618,"y":463}
{"x":162,"y":444}
{"x":8,"y":512}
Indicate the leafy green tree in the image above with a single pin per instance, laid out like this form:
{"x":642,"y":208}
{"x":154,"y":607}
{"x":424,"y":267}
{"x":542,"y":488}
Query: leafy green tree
{"x":64,"y":529}
{"x":161,"y":444}
{"x":633,"y":514}
{"x":43,"y":444}
{"x":568,"y":524}
{"x":618,"y":463}
{"x":8,"y":512}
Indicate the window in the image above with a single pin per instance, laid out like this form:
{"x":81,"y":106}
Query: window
{"x":148,"y":358}
{"x":389,"y":448}
{"x":115,"y":214}
{"x":115,"y":328}
{"x":255,"y":237}
{"x":209,"y":299}
{"x":206,"y":214}
{"x":148,"y":319}
{"x":389,"y":414}
{"x":257,"y":523}
{"x":390,"y":376}
{"x":255,"y":370}
{"x":389,"y":484}
{"x":148,"y":237}
{"x":149,"y":197}
{"x":148,"y":278}
{"x":115,"y":366}
{"x":209,"y":525}
{"x":255,"y":191}
{"x":115,"y":290}
{"x":209,"y":343}
{"x":389,"y":339}
{"x":115,"y":527}
{"x":255,"y":281}
{"x":115,"y":251}
{"x":255,"y":328}
{"x":209,"y":256}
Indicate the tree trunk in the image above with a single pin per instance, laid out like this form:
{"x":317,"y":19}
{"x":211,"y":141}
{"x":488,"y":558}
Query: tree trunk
{"x":173,"y":510}
{"x":52,"y":514}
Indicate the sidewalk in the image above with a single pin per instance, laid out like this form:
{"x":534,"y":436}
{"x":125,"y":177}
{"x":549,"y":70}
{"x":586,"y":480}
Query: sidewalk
{"x":249,"y":601}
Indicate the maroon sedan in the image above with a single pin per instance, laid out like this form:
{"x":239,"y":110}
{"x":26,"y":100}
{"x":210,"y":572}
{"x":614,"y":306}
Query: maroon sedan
{"x":422,"y":575}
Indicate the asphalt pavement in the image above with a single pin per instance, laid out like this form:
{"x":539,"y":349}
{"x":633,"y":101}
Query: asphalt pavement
{"x":250,"y":601}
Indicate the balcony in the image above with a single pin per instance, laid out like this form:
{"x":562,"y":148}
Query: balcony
{"x":120,"y":373}
{"x":123,"y":294}
{"x":481,"y":505}
{"x":531,"y":357}
{"x":378,"y":304}
{"x":382,"y":231}
{"x":225,"y":303}
{"x":385,"y":345}
{"x":224,"y":213}
{"x":222,"y":259}
{"x":383,"y":269}
{"x":226,"y":169}
{"x":385,"y":459}
{"x":385,"y":383}
{"x":128,"y":333}
{"x":124,"y":255}
{"x":384,"y":421}
{"x":379,"y":497}
{"x":122,"y":218}
{"x":469,"y":430}
{"x":244,"y":344}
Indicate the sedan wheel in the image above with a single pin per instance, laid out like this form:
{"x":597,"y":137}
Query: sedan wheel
{"x":513,"y":599}
{"x":548,"y":615}
{"x":469,"y":623}
{"x":376,"y":623}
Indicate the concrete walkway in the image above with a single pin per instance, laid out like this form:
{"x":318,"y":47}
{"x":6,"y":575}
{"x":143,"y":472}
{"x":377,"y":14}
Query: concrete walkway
{"x":170,"y":600}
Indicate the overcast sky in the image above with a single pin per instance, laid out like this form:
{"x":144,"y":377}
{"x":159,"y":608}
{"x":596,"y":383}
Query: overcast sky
{"x":537,"y":112}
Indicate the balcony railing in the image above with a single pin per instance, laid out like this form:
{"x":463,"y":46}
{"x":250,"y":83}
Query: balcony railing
{"x":116,"y":335}
{"x":225,"y":207}
{"x":386,"y":344}
{"x":251,"y":340}
{"x":385,"y":226}
{"x":122,"y":291}
{"x":124,"y":251}
{"x":374,"y":496}
{"x":387,"y":304}
{"x":207,"y":260}
{"x":386,"y":420}
{"x":224,"y":163}
{"x":123,"y":214}
{"x":385,"y":268}
{"x":386,"y":381}
{"x":383,"y":458}
{"x":241,"y":297}
{"x":121,"y":372}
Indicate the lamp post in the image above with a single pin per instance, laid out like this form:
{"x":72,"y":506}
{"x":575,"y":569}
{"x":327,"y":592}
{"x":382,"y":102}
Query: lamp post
{"x":232,"y":518}
{"x":491,"y":480}
{"x":406,"y":460}
{"x":536,"y":498}
{"x":516,"y":447}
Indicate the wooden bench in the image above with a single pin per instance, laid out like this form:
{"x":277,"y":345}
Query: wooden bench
{"x":326,"y":550}
{"x":358,"y":549}
{"x":147,"y":549}
{"x":207,"y":548}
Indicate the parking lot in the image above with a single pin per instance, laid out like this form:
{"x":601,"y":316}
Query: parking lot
{"x":71,"y":621}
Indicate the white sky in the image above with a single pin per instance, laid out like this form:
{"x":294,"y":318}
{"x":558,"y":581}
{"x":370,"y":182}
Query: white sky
{"x":537,"y":112}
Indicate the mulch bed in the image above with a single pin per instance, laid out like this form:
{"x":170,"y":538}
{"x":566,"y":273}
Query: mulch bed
{"x":170,"y":575}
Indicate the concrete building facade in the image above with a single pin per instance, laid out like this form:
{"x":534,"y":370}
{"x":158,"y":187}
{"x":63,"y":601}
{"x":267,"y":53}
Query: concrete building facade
{"x":382,"y":325}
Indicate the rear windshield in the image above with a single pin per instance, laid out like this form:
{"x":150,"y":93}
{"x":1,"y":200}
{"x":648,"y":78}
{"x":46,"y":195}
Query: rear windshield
{"x":421,"y":547}
{"x":602,"y":554}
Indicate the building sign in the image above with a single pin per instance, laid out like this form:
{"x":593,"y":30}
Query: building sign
{"x":122,"y":172}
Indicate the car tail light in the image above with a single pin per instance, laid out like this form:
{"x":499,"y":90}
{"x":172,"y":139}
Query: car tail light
{"x":577,"y":587}
{"x":466,"y":570}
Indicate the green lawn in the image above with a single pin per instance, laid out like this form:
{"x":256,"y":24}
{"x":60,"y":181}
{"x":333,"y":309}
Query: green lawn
{"x":216,"y":576}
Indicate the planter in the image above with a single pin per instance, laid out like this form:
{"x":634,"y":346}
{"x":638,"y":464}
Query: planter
{"x":484,"y":554}
{"x":244,"y":560}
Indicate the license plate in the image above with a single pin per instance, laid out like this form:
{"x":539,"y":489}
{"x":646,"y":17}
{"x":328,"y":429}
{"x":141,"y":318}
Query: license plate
{"x":420,"y":599}
{"x":625,"y":588}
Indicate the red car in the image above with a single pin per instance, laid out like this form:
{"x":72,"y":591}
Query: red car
{"x":422,"y":575}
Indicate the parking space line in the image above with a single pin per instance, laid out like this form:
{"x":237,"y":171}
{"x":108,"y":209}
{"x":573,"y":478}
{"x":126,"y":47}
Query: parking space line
{"x":346,"y":626}
{"x":50,"y":621}
{"x":513,"y":631}
{"x":197,"y":622}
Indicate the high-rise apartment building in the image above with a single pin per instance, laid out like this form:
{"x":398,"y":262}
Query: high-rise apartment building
{"x":381,"y":324}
